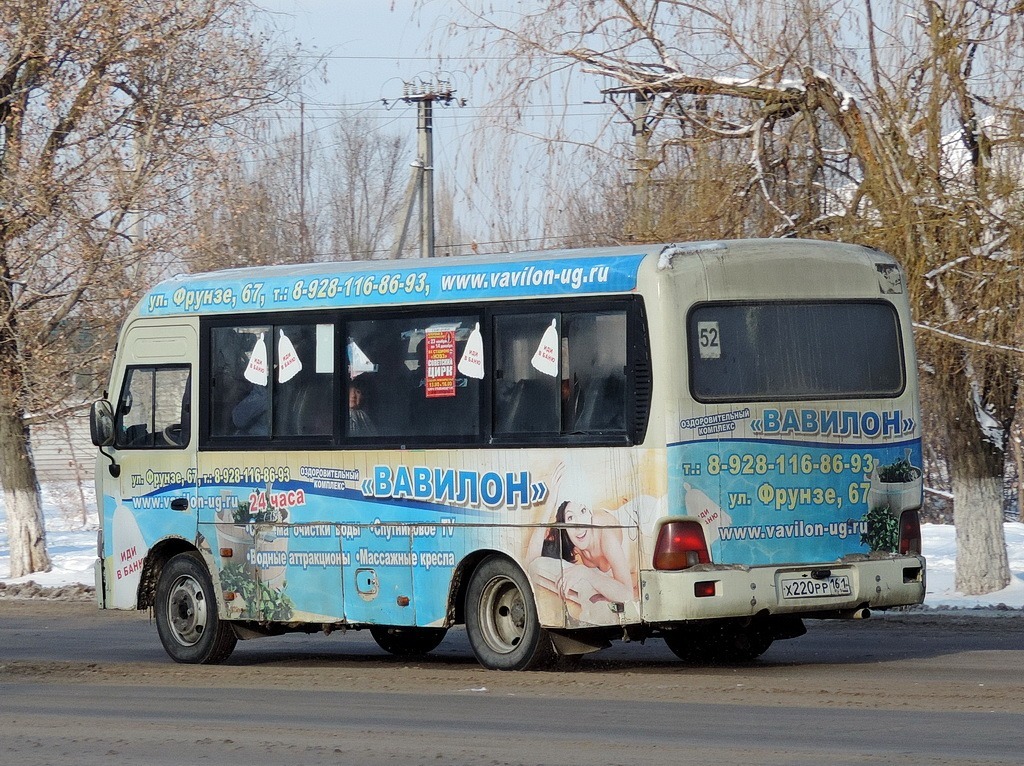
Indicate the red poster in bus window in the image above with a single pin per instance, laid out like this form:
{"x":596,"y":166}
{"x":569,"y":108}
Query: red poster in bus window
{"x":440,"y":360}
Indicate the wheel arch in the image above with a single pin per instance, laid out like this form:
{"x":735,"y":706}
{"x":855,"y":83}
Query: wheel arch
{"x":464,"y":574}
{"x":156,"y":558}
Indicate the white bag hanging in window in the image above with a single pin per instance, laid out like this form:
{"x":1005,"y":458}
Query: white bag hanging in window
{"x":358,"y":362}
{"x":472,"y":363}
{"x":256,"y":370}
{"x":288,"y":363}
{"x":545,"y":360}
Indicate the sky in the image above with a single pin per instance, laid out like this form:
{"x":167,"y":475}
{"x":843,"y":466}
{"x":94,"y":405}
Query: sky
{"x":372,"y":48}
{"x":72,"y":546}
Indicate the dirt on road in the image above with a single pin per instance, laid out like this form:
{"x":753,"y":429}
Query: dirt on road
{"x":923,"y":671}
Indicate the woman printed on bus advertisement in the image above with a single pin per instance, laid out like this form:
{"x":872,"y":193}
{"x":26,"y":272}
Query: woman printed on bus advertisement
{"x":585,"y":562}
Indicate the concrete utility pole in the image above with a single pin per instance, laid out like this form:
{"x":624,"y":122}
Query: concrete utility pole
{"x":303,"y":228}
{"x":643,"y":164}
{"x":421,"y":184}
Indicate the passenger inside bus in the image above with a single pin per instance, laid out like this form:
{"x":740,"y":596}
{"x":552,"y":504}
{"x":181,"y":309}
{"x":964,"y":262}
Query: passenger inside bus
{"x":360,"y":423}
{"x":251,"y":416}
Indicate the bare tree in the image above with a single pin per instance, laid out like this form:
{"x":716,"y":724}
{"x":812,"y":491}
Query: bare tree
{"x":451,"y":236}
{"x":110,"y":113}
{"x":251,"y":213}
{"x":898,"y":126}
{"x":259,"y":212}
{"x":362,"y":184}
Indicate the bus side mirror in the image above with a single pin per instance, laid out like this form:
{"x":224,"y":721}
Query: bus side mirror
{"x":101,"y":423}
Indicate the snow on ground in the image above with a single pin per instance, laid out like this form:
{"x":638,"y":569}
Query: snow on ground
{"x":939,"y":547}
{"x":71,"y":539}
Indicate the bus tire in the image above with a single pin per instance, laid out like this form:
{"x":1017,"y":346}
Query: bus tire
{"x":407,"y":642}
{"x":725,"y":643}
{"x":190,"y":629}
{"x":501,"y":618}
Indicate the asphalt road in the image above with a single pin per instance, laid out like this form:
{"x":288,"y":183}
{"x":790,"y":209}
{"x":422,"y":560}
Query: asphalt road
{"x":79,"y":686}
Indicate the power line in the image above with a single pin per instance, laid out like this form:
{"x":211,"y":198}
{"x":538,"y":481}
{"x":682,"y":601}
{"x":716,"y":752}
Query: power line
{"x":539,"y":110}
{"x":431,"y":59}
{"x":385,"y":253}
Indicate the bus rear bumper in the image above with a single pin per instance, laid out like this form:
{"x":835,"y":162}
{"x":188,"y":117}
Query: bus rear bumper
{"x":810,"y":590}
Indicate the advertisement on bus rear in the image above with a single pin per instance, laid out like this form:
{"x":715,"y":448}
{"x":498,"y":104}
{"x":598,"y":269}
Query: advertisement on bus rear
{"x":777,"y":485}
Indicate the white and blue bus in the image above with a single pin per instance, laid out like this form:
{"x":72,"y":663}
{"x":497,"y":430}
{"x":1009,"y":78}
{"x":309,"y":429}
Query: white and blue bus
{"x":705,"y":442}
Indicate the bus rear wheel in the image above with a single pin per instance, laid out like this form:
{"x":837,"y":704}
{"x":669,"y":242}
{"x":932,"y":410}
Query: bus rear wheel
{"x":407,"y":642}
{"x":190,"y":629}
{"x":501,"y":619}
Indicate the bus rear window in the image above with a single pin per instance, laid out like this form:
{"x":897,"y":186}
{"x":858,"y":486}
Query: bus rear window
{"x":776,"y":351}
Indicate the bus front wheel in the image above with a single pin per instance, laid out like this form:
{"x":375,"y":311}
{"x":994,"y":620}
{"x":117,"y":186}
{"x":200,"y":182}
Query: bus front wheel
{"x":186,"y":614}
{"x":407,"y":642}
{"x":501,"y":618}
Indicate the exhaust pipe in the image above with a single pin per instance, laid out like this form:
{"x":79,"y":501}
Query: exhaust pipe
{"x":862,"y":613}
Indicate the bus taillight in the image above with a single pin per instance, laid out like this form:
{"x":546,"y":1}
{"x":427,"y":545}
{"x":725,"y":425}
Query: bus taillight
{"x":681,"y":545}
{"x":910,"y":533}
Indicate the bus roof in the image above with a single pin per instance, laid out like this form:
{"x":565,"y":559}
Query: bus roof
{"x":552,"y":273}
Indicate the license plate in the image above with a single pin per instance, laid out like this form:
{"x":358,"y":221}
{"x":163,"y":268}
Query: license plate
{"x":807,"y":587}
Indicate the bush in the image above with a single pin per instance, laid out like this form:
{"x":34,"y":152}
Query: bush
{"x":899,"y":472}
{"x":883,"y":529}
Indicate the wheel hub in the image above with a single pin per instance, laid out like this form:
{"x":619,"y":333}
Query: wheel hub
{"x":187,"y":611}
{"x":503,"y":614}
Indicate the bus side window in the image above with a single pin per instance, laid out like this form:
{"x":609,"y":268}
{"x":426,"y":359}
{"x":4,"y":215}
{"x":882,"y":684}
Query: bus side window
{"x":526,"y":399}
{"x":594,"y":372}
{"x":240,"y":405}
{"x":445,"y":402}
{"x":154,"y":410}
{"x":304,"y":380}
{"x":560,"y":373}
{"x":385,"y":380}
{"x":403,"y":378}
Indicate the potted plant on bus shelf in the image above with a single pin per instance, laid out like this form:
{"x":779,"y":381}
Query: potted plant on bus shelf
{"x":241,"y":513}
{"x":897,"y":484}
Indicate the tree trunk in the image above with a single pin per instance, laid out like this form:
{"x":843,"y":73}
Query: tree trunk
{"x":1017,"y":450}
{"x":1017,"y":447}
{"x":976,"y":471}
{"x":25,"y":529}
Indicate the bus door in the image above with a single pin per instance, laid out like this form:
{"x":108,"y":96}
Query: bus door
{"x":155,"y":450}
{"x":377,"y":586}
{"x":296,"y":571}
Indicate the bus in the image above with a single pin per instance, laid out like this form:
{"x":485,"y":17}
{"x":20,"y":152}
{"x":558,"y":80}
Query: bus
{"x":707,"y":443}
